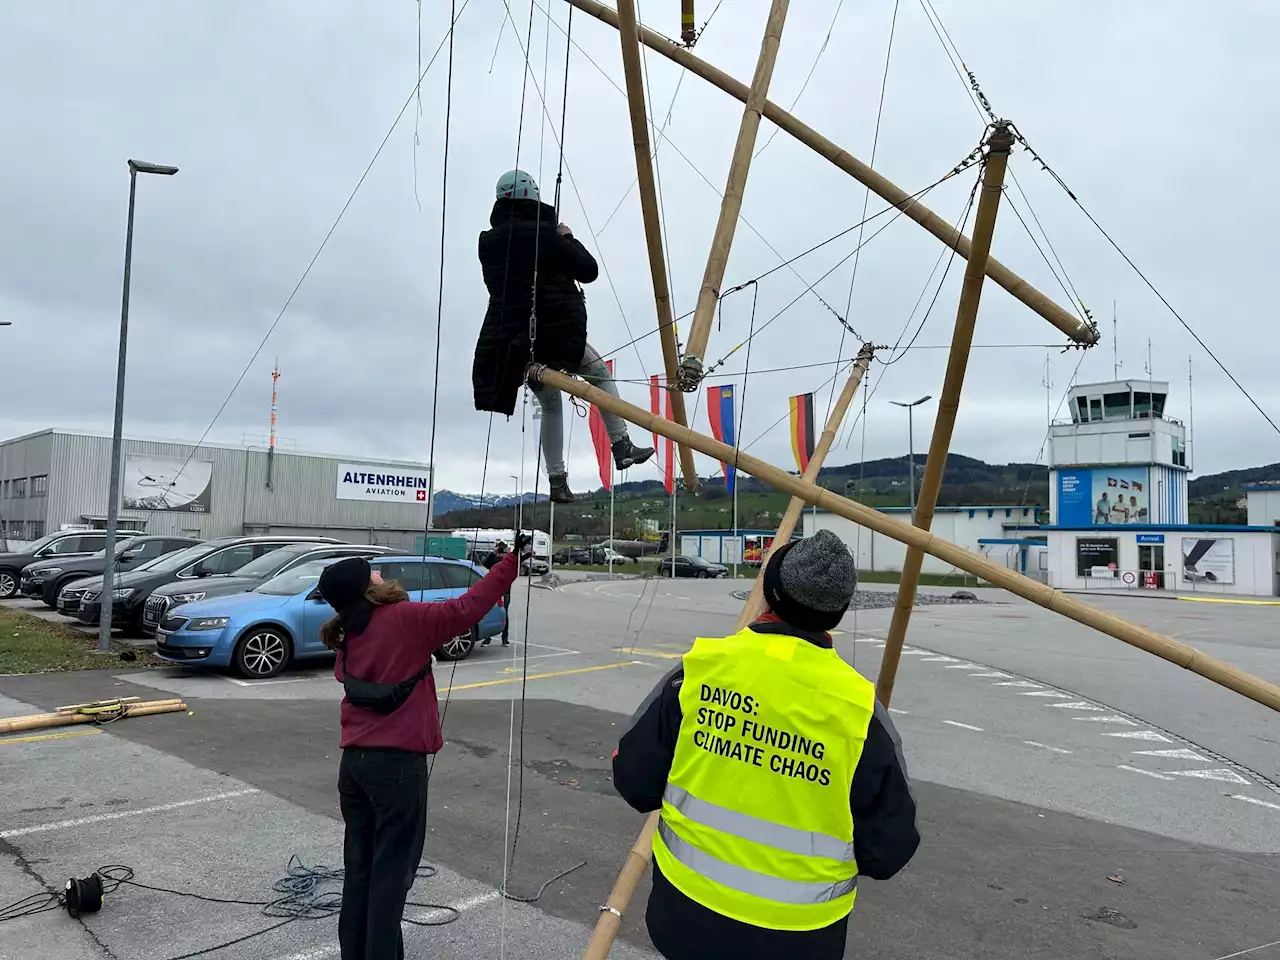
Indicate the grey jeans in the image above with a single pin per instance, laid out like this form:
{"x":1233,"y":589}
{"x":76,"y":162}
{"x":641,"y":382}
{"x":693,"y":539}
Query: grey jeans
{"x":595,"y":373}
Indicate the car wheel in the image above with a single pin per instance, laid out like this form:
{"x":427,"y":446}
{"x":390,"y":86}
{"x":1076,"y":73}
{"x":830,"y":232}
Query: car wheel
{"x":8,"y":584}
{"x":702,"y":574}
{"x":459,"y":647}
{"x":263,"y":652}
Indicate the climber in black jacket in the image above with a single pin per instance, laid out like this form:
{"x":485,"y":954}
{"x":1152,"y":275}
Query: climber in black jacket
{"x":526,"y":243}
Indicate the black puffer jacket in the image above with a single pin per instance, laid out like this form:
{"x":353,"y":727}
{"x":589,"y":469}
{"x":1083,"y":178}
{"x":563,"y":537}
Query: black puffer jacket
{"x":524,"y":232}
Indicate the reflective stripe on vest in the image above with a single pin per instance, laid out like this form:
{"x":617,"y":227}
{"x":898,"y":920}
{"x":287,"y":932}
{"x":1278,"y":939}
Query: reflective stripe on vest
{"x":749,"y":881}
{"x":776,"y":835}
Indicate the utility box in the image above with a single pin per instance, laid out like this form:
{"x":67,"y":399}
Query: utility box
{"x":453,"y":547}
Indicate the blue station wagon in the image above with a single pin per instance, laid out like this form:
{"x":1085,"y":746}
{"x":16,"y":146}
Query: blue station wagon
{"x":260,"y":632}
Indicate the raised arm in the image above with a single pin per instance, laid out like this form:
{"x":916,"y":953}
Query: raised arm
{"x":448,"y":618}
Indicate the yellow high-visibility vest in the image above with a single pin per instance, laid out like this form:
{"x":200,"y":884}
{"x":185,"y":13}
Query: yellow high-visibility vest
{"x":755,"y":817}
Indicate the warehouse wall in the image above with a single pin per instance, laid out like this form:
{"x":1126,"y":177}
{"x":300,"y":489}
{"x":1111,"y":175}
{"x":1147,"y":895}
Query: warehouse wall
{"x":24,"y":458}
{"x":302,"y":499}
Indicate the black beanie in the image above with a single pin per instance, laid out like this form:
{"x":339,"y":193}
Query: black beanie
{"x":809,"y":583}
{"x":343,"y":585}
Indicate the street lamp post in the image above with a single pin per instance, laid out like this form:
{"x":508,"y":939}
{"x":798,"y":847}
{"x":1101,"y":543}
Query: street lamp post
{"x":113,"y":494}
{"x":911,"y":446}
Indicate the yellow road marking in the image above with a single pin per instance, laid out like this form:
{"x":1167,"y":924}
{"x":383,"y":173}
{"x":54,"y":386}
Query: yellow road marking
{"x":541,"y":676}
{"x":1251,"y":603}
{"x":664,"y":654}
{"x":49,"y":736}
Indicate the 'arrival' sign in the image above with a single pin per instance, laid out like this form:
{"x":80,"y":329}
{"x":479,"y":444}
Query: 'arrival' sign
{"x":383,"y":484}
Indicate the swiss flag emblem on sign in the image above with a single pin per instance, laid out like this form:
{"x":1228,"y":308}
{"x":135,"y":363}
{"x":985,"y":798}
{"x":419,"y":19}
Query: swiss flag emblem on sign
{"x":422,"y":495}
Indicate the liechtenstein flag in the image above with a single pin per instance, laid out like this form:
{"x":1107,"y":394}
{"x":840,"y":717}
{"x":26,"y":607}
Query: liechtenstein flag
{"x":720,"y":413}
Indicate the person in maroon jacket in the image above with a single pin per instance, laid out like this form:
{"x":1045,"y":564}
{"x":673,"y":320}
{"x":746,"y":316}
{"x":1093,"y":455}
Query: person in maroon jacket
{"x":390,"y":723}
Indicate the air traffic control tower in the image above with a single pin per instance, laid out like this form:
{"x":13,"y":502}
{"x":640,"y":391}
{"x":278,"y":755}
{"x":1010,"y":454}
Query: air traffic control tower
{"x":1119,"y":459}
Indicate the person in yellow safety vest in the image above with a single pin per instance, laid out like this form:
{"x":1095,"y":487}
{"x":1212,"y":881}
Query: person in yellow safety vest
{"x":779,"y":778}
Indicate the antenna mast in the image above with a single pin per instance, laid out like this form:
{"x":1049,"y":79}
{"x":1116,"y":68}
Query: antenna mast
{"x":271,"y":442}
{"x":1115,"y":343}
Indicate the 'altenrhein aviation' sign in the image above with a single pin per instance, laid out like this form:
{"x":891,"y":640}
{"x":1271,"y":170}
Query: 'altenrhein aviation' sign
{"x":382,"y":484}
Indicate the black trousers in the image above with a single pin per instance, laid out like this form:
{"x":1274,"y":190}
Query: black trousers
{"x":506,"y":605}
{"x":383,"y":794}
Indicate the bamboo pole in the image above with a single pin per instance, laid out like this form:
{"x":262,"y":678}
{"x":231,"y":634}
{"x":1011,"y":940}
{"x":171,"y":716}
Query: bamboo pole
{"x":625,"y":21}
{"x":1245,"y":684}
{"x":755,"y":603}
{"x":731,"y":202}
{"x":623,"y":890}
{"x":40,"y":721}
{"x":1072,"y":326}
{"x":999,"y":144}
{"x":642,"y":852}
{"x":688,"y":26}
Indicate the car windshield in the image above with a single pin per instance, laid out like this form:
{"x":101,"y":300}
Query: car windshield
{"x":179,"y":558}
{"x":699,"y":562}
{"x":269,"y":564}
{"x":41,"y":543}
{"x":295,"y":581}
{"x":121,"y":547}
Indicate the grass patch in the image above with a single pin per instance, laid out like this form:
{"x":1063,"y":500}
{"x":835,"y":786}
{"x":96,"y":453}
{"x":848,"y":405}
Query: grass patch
{"x":31,"y":645}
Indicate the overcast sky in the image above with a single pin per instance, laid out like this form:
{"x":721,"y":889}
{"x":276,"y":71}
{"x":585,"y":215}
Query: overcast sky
{"x":1159,"y":115}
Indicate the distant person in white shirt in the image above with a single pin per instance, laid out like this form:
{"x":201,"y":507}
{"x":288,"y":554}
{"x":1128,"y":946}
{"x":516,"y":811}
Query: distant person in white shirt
{"x":1102,"y":510}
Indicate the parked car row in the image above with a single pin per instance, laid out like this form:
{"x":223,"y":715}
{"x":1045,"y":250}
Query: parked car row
{"x":591,"y":556}
{"x":248,"y":603}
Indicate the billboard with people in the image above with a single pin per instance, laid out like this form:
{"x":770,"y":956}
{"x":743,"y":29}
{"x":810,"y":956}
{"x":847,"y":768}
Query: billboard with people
{"x":1103,"y":496}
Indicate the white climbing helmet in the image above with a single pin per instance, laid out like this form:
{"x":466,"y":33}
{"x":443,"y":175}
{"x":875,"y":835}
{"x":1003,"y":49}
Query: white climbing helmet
{"x":517,"y":185}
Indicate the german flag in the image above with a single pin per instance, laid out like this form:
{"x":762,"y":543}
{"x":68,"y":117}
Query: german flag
{"x":802,"y":429}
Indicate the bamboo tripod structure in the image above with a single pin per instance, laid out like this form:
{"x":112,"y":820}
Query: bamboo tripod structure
{"x":610,"y":920}
{"x":626,"y":23}
{"x":91,"y":713}
{"x":1075,"y":328}
{"x":731,"y":203}
{"x":999,"y":143}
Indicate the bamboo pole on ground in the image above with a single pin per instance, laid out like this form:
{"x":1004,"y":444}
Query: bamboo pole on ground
{"x":999,"y":143}
{"x":641,"y":854}
{"x":625,"y":21}
{"x":755,"y":603}
{"x":40,"y":721}
{"x":731,"y":202}
{"x":1233,"y":678}
{"x":1072,"y":326}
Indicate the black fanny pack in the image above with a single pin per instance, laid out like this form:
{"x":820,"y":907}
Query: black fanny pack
{"x":381,"y":697}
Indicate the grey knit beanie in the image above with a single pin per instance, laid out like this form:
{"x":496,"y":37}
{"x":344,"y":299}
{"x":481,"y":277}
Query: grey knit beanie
{"x":810,"y":583}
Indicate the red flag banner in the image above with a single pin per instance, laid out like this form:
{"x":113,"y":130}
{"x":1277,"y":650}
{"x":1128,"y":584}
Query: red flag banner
{"x":600,"y":440}
{"x":802,"y":429}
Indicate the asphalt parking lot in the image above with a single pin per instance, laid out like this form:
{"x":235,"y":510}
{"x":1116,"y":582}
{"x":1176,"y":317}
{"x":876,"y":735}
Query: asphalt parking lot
{"x":1050,"y":764}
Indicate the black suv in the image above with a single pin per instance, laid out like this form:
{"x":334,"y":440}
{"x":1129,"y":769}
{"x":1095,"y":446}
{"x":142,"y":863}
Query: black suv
{"x":213,"y":558}
{"x":43,"y":579}
{"x":56,"y":545}
{"x":251,"y":575}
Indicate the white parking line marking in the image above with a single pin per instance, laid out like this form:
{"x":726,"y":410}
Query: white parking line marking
{"x":1261,"y":803}
{"x":264,"y":683}
{"x":938,"y":660}
{"x":1241,"y":953}
{"x":896,"y":710}
{"x":963,"y":726}
{"x":993,"y":674}
{"x":1140,"y":735}
{"x":1049,"y":693}
{"x":1222,"y":774}
{"x":913,"y":652}
{"x":1034,"y":743}
{"x":1017,"y":683}
{"x":1182,"y":753}
{"x":1076,"y":705}
{"x":1111,"y":719}
{"x":123,"y":814}
{"x":1149,"y":773}
{"x":963,"y":666}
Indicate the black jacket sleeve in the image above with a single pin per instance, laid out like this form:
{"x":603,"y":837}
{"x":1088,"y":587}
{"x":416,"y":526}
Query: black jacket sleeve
{"x":643,"y":758}
{"x":885,"y":837}
{"x":572,"y":257}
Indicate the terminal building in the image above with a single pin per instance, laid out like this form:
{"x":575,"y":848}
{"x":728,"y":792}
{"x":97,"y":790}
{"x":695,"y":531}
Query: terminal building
{"x":1118,"y":515}
{"x":57,"y":480}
